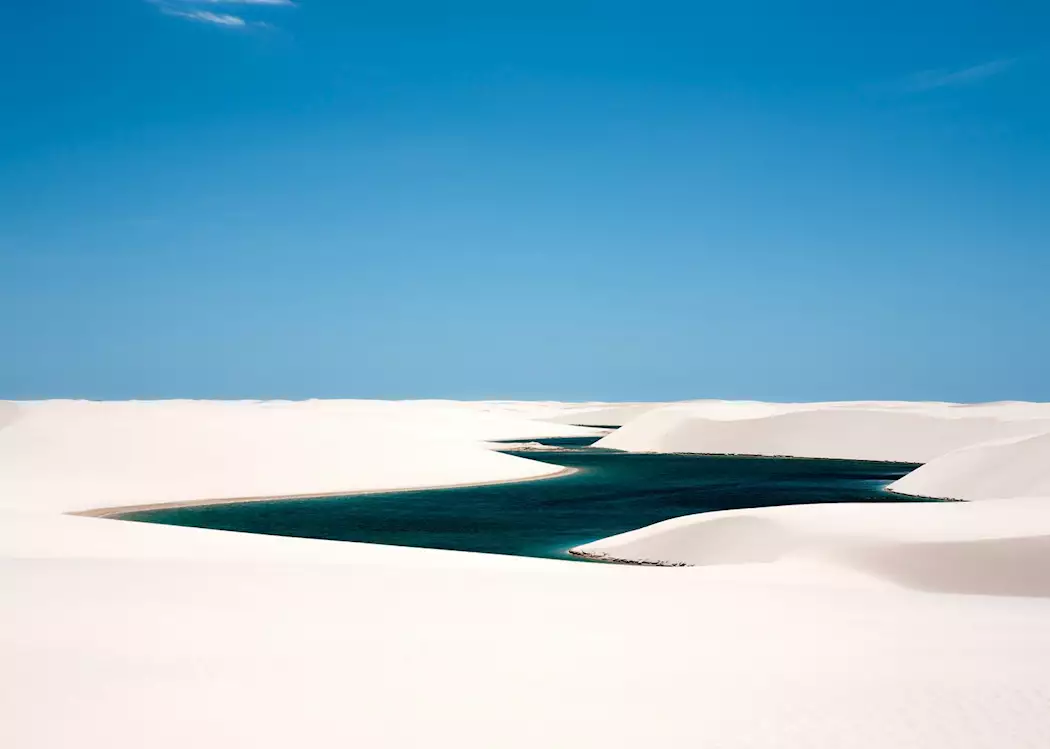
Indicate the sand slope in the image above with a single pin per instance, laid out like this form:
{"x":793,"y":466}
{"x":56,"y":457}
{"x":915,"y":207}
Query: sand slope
{"x":991,"y":548}
{"x":605,"y":414}
{"x":906,"y":432}
{"x":1000,"y":548}
{"x":76,"y":455}
{"x":172,"y":655}
{"x":1017,"y":467}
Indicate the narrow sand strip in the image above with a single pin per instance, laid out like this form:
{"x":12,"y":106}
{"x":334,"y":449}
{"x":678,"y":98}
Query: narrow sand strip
{"x":117,"y":512}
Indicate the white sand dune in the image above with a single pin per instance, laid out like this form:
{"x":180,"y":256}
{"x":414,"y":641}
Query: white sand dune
{"x":1018,"y":467}
{"x":604,"y":414}
{"x":1000,"y":548}
{"x":992,"y":548}
{"x":33,"y":535}
{"x":77,"y":455}
{"x":182,"y":654}
{"x":909,"y":626}
{"x":906,"y":432}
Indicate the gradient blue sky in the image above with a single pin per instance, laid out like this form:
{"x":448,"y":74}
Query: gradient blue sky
{"x":576,"y":200}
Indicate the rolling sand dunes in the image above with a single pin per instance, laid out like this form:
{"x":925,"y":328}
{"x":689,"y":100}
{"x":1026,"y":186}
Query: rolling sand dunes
{"x":78,"y":455}
{"x":1018,"y":467}
{"x":906,"y":432}
{"x":996,"y":548}
{"x":910,"y":626}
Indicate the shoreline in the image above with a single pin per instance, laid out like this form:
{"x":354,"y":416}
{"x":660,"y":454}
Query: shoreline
{"x":592,"y":556}
{"x":921,"y":496}
{"x":763,"y":455}
{"x":115,"y":513}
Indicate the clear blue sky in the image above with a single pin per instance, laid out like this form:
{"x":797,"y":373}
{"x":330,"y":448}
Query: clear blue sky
{"x":535,"y":199}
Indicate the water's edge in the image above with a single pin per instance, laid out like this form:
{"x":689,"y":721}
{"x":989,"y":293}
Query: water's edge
{"x":600,"y":493}
{"x":117,"y":512}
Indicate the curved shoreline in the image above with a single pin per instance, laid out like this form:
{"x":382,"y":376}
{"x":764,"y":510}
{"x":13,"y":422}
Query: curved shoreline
{"x":132,"y":512}
{"x":592,"y":556}
{"x":897,"y":493}
{"x":764,"y":455}
{"x":116,"y":512}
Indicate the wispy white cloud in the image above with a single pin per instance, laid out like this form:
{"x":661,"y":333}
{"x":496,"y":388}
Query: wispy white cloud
{"x":193,"y":10}
{"x":219,"y":19}
{"x":240,"y":2}
{"x":928,"y":80}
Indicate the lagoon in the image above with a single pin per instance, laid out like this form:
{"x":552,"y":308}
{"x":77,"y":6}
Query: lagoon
{"x":610,"y":492}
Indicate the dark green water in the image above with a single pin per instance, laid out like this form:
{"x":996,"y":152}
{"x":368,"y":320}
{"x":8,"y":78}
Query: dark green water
{"x":612,"y":492}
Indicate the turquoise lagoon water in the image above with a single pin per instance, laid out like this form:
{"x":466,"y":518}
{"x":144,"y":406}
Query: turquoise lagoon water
{"x":612,"y":492}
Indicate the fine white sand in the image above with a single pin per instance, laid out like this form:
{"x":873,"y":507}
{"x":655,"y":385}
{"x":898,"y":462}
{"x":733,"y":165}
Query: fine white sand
{"x":603,"y":414}
{"x":906,"y":432}
{"x":1018,"y":467}
{"x":996,"y":548}
{"x":78,"y":455}
{"x":833,"y":626}
{"x":1000,"y":548}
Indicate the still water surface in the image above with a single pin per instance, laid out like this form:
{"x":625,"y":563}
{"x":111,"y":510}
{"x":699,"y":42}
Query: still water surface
{"x":612,"y":492}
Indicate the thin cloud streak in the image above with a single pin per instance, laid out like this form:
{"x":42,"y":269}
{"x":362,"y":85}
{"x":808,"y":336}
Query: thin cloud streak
{"x":192,"y":10}
{"x":289,"y":3}
{"x":219,"y":19}
{"x":929,"y":80}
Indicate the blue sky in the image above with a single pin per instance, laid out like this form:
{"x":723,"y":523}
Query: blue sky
{"x":577,"y":200}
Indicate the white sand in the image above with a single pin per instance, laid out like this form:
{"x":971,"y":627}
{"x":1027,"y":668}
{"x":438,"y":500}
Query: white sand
{"x":838,"y":627}
{"x":1000,"y":548}
{"x":906,"y":432}
{"x":77,"y":455}
{"x":1018,"y":467}
{"x":603,"y":414}
{"x":992,"y":548}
